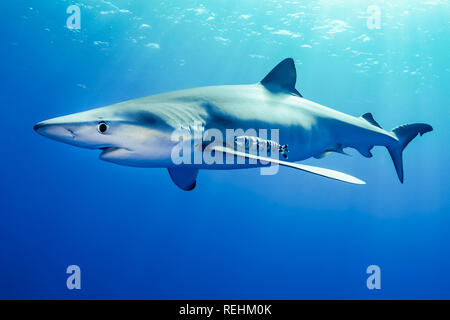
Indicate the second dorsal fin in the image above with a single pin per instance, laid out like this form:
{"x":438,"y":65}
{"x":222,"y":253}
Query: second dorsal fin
{"x":369,"y":118}
{"x":282,"y":78}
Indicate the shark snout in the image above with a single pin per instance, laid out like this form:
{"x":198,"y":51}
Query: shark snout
{"x":84,"y":134}
{"x":54,"y":131}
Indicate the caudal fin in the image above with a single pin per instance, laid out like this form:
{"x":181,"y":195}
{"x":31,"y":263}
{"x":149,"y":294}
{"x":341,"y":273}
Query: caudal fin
{"x":405,"y":133}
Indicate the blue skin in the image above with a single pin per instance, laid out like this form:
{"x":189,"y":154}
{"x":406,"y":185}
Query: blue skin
{"x":139,"y":132}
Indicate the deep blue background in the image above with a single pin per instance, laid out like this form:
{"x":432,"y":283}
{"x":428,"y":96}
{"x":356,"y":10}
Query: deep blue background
{"x":238,"y":235}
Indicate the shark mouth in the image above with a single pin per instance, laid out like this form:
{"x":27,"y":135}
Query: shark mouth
{"x":108,"y":150}
{"x":114,"y":153}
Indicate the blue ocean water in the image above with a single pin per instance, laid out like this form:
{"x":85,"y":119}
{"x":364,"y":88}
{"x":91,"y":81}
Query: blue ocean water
{"x":238,"y":235}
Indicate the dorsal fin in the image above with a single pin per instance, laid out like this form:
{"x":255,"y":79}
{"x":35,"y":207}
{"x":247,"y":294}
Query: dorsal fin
{"x":369,"y":118}
{"x":282,"y":78}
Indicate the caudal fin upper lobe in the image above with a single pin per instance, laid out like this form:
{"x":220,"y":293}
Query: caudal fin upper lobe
{"x":405,"y":134}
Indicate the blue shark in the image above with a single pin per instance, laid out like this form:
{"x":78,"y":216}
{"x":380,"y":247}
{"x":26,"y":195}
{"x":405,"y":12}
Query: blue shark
{"x":139,"y":132}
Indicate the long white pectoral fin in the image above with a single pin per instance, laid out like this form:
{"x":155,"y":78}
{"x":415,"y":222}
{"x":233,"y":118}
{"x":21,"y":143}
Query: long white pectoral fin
{"x":184,"y":178}
{"x":328,"y":173}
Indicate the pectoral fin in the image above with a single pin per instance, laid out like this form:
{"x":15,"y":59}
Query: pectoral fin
{"x":184,"y":178}
{"x":328,"y":173}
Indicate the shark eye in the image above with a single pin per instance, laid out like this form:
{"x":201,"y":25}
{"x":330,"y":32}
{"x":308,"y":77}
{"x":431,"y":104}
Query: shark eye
{"x":102,"y":127}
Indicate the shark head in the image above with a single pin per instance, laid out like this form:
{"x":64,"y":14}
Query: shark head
{"x":124,"y":136}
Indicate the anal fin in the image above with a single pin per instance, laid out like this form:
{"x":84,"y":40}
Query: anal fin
{"x":365,"y":151}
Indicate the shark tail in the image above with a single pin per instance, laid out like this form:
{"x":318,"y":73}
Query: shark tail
{"x":405,"y":134}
